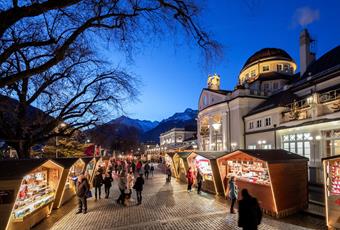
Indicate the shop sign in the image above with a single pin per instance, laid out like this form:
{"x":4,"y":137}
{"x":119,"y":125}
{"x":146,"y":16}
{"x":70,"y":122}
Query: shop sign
{"x":6,"y":196}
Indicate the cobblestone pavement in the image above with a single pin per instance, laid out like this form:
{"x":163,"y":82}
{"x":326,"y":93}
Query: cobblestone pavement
{"x":165,"y":206}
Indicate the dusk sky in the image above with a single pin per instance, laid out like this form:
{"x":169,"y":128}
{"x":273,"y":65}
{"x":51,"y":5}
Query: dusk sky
{"x":173,"y":77}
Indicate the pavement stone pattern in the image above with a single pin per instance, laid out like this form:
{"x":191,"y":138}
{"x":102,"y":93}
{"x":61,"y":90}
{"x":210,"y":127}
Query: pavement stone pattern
{"x":165,"y":206}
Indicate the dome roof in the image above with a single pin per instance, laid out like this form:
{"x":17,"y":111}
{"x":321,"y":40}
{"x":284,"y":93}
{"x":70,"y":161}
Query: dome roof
{"x":268,"y":53}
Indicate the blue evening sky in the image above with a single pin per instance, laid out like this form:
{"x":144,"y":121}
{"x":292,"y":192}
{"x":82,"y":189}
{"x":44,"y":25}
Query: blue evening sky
{"x":173,"y":76}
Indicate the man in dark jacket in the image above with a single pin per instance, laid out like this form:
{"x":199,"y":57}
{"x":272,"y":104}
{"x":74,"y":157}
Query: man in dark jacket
{"x":97,"y":184}
{"x":139,"y":188}
{"x":82,"y":189}
{"x":146,"y":170}
{"x":249,"y":210}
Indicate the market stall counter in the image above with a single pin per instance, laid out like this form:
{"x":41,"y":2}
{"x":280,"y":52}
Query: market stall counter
{"x":181,"y":165}
{"x":72,"y":168}
{"x":168,"y":157}
{"x":205,"y":162}
{"x":27,"y":191}
{"x":331,"y":169}
{"x":277,"y":178}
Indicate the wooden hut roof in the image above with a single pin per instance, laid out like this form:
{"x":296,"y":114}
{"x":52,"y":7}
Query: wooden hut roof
{"x":65,"y":162}
{"x":212,"y":155}
{"x":272,"y":155}
{"x":183,"y":155}
{"x":17,"y":169}
{"x":331,"y":157}
{"x":87,"y":159}
{"x":171,"y":154}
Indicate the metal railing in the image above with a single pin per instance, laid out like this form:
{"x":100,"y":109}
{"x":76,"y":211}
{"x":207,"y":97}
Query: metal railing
{"x":329,"y":96}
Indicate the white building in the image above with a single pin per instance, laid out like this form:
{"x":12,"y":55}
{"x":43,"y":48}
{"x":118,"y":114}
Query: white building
{"x":273,"y":107}
{"x":176,"y":138}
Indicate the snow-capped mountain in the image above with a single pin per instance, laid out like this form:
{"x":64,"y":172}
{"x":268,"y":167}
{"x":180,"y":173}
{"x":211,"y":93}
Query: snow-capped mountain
{"x":142,"y":125}
{"x":188,"y":114}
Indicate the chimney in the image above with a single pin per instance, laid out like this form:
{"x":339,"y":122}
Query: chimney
{"x":306,"y":56}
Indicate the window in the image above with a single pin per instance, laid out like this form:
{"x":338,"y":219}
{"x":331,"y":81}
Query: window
{"x":269,"y":146}
{"x":286,"y":68}
{"x":275,"y":85}
{"x":253,"y":73}
{"x":265,"y":68}
{"x":247,"y":76}
{"x":251,"y":125}
{"x":268,"y":121}
{"x":279,"y":67}
{"x":266,"y":86}
{"x":258,"y":123}
{"x":205,"y":100}
{"x":298,"y":143}
{"x":251,"y":146}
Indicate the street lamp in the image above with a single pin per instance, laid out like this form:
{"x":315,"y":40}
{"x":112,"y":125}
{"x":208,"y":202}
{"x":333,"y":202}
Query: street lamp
{"x":261,"y":142}
{"x":216,"y":127}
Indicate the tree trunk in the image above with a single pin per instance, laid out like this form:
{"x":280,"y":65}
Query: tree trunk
{"x":23,"y":150}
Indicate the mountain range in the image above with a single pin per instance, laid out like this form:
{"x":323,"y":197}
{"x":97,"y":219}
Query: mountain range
{"x":127,"y":131}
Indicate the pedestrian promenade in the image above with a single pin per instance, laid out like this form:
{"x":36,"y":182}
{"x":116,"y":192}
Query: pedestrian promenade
{"x":165,"y":206}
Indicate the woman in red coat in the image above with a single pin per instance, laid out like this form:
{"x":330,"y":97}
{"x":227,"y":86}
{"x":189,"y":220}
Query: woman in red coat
{"x":190,"y":177}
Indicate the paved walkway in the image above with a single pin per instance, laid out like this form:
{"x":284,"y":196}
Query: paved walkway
{"x":165,"y":206}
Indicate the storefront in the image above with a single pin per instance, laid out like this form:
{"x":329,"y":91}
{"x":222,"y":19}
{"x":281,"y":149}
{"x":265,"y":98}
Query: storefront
{"x":205,"y":162}
{"x":277,"y":178}
{"x":27,"y":195}
{"x":73,"y":167}
{"x":331,"y":168}
{"x":170,"y":161}
{"x":181,"y":165}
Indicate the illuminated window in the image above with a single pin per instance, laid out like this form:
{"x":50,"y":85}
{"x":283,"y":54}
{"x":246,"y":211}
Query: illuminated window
{"x":286,"y":68}
{"x":279,"y":67}
{"x":253,"y":73}
{"x":269,"y":146}
{"x":251,"y":146}
{"x":265,"y":68}
{"x":298,"y":143}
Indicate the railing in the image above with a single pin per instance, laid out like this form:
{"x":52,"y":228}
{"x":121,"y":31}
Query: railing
{"x":329,"y":96}
{"x":297,"y":105}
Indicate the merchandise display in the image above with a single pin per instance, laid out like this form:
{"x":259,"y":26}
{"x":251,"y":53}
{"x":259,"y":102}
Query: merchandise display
{"x":249,"y":171}
{"x":333,"y":171}
{"x":204,"y":166}
{"x":34,"y":193}
{"x":75,"y":171}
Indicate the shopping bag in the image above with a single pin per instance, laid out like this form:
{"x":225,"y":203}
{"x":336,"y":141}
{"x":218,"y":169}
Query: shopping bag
{"x":88,"y":194}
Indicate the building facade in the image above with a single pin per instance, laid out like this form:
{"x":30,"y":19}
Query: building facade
{"x":176,"y":138}
{"x":272,"y":107}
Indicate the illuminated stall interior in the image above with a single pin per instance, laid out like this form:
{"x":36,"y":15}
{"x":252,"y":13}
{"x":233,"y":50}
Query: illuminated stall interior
{"x":264,"y":174}
{"x":100,"y":164}
{"x":73,"y":167}
{"x":89,"y":168}
{"x":30,"y":192}
{"x":331,"y":169}
{"x":181,"y":165}
{"x":169,"y":161}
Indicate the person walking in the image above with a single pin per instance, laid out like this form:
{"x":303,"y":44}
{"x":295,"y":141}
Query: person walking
{"x":152,"y":169}
{"x":82,"y":189}
{"x":122,"y":186}
{"x":146,"y":170}
{"x":199,"y":180}
{"x":107,"y":184}
{"x":232,"y":192}
{"x":139,"y":188}
{"x":97,"y":184}
{"x":249,"y":212}
{"x":168,"y":173}
{"x":133,"y":167}
{"x":139,"y":167}
{"x":130,"y":182}
{"x":190,"y":177}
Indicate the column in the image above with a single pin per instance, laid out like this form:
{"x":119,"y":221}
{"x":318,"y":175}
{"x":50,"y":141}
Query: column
{"x":224,"y":131}
{"x":211,"y":133}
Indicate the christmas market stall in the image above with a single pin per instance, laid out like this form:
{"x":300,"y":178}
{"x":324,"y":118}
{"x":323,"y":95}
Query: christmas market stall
{"x":90,"y":164}
{"x":170,"y":161}
{"x":205,"y":162}
{"x":331,"y":169}
{"x":72,"y":168}
{"x":100,"y":164}
{"x":181,"y":165}
{"x":277,"y":178}
{"x":27,"y":191}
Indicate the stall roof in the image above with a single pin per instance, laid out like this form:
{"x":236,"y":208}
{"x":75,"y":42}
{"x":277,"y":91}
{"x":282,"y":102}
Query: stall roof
{"x":184,"y":154}
{"x":212,"y":155}
{"x":330,"y":158}
{"x":171,"y":154}
{"x":17,"y":169}
{"x":272,"y":155}
{"x":87,"y":159}
{"x":97,"y":158}
{"x":65,"y":162}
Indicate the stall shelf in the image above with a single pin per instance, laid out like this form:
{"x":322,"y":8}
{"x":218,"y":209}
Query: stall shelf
{"x":169,"y":160}
{"x":27,"y":191}
{"x":277,"y":178}
{"x":331,"y":169}
{"x":206,"y":163}
{"x":72,"y":168}
{"x":181,"y":164}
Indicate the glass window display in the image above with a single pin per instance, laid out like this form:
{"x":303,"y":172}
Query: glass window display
{"x":35,"y":192}
{"x":75,"y":171}
{"x":250,"y":171}
{"x":203,"y":164}
{"x":333,"y":180}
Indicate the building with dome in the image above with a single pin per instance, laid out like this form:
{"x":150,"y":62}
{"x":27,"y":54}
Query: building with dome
{"x":273,"y":107}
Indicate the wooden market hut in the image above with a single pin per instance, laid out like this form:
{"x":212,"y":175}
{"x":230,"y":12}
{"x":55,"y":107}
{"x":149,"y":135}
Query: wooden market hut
{"x":169,"y":159}
{"x":181,"y":164}
{"x":331,"y":170}
{"x":277,"y":178}
{"x":66,"y":189}
{"x":15,"y":176}
{"x":211,"y":184}
{"x":90,"y":164}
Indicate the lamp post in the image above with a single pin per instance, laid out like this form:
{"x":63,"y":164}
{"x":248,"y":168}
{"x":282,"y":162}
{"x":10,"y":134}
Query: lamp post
{"x":216,"y":127}
{"x":261,"y":142}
